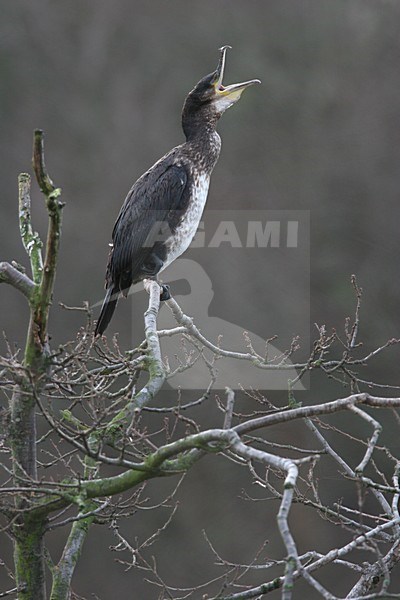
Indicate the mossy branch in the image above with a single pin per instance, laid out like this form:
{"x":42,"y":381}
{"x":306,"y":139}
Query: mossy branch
{"x":30,"y":238}
{"x":39,"y":289}
{"x":29,"y":528}
{"x":54,"y":209}
{"x":64,"y":570}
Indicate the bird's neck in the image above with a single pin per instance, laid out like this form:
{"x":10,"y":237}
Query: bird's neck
{"x":202,"y":141}
{"x":197,"y":124}
{"x":204,"y":149}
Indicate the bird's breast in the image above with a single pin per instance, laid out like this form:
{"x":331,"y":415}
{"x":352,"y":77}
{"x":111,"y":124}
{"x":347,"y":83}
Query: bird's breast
{"x":187,"y":226}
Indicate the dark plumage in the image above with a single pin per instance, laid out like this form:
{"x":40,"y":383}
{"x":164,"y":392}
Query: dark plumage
{"x":162,"y":210}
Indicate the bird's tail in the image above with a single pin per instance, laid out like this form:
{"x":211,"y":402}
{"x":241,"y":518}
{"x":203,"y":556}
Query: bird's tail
{"x":107,"y":310}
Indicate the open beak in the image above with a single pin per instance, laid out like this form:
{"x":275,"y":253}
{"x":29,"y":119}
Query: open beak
{"x":234,"y":90}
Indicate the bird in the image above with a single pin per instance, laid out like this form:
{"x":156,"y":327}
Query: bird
{"x":163,"y":208}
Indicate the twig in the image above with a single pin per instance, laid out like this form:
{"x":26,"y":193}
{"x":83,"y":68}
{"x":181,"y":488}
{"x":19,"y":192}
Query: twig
{"x":317,"y":409}
{"x":192,"y":330}
{"x":8,"y":592}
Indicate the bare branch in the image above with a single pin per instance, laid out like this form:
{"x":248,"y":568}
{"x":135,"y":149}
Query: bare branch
{"x":230,"y":402}
{"x":54,"y":210}
{"x":155,"y":366}
{"x":44,"y":182}
{"x":372,"y":442}
{"x":318,"y":409}
{"x":192,"y":330}
{"x":70,"y":556}
{"x":153,"y":361}
{"x":20,"y":281}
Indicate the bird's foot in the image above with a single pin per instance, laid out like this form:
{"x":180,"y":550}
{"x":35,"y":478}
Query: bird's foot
{"x":165,"y":293}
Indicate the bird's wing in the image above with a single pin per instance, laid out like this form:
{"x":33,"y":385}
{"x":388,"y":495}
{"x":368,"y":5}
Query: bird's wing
{"x":152,"y":199}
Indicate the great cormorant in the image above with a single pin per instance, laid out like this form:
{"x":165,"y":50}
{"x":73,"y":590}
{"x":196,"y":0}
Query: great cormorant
{"x":162,"y":211}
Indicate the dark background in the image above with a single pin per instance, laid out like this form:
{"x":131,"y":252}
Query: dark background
{"x":106,"y":81}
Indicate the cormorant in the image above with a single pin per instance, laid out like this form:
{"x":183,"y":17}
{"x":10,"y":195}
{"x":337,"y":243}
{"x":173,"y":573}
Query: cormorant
{"x":162,"y":211}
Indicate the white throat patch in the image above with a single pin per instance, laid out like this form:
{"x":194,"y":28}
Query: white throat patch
{"x":224,"y":102}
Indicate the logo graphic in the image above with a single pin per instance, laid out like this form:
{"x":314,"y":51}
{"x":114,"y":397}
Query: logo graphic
{"x":245,"y":279}
{"x":230,"y":372}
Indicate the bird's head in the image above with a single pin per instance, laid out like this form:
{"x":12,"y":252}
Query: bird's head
{"x":209,"y":99}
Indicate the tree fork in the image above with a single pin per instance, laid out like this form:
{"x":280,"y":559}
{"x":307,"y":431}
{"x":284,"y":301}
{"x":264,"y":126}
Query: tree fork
{"x":28,"y":529}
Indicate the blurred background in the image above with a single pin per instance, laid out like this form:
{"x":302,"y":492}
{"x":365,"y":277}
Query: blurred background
{"x":106,"y":82}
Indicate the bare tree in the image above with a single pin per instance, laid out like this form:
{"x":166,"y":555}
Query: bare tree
{"x":91,"y":399}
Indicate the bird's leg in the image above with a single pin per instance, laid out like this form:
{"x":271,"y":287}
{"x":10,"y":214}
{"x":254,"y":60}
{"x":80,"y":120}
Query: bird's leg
{"x":165,"y":292}
{"x":151,"y":267}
